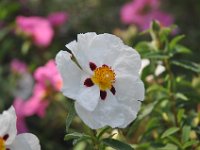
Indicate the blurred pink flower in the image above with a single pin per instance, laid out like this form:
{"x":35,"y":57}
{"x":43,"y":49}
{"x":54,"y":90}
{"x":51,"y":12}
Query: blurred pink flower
{"x":49,"y":75}
{"x":48,"y":82}
{"x":58,"y":18}
{"x":164,"y":19}
{"x":21,"y":123}
{"x":142,"y":12}
{"x":38,"y":28}
{"x":18,"y":66}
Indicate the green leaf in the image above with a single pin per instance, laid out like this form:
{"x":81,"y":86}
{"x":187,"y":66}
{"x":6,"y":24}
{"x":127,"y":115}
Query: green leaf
{"x":180,"y":114}
{"x":116,"y":144}
{"x":70,"y":116}
{"x":169,"y":132}
{"x":181,"y":50}
{"x":148,"y":109}
{"x":188,"y":65}
{"x":190,"y":143}
{"x":143,"y":48}
{"x":74,"y":135}
{"x":103,"y":131}
{"x":168,"y":147}
{"x":175,"y":40}
{"x":156,"y":55}
{"x":181,"y":96}
{"x":185,"y":133}
{"x":175,"y":141}
{"x":77,"y":136}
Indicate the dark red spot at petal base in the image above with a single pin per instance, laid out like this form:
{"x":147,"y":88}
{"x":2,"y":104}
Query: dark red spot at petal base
{"x":113,"y":90}
{"x":88,"y":82}
{"x":103,"y":95}
{"x":92,"y":66}
{"x":5,"y":137}
{"x":7,"y":148}
{"x":104,"y":65}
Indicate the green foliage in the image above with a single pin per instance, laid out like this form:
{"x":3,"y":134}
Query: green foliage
{"x":118,"y":145}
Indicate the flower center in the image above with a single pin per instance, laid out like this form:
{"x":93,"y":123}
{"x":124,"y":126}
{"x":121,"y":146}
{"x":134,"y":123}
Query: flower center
{"x":2,"y":144}
{"x":104,"y":77}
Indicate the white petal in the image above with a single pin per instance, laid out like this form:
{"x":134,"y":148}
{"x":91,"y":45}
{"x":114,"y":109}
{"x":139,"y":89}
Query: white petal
{"x":104,"y":46}
{"x":129,"y":62}
{"x":145,"y":62}
{"x":88,"y":97}
{"x":79,"y":49}
{"x":79,"y":55}
{"x":8,"y":124}
{"x":87,"y":117}
{"x":129,"y":87}
{"x":107,"y":112}
{"x":84,"y":40}
{"x":26,"y":141}
{"x":71,"y":74}
{"x":131,"y":110}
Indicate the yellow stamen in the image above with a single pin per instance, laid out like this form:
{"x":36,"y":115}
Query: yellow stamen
{"x":104,"y":77}
{"x":2,"y":144}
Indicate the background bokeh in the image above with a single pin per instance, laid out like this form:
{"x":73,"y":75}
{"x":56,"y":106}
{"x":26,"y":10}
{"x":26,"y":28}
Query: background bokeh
{"x":30,"y":43}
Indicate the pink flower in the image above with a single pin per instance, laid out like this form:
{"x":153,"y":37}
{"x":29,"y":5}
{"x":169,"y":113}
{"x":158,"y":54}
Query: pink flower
{"x":48,"y":75}
{"x":18,"y":66}
{"x":38,"y":103}
{"x":48,"y":82}
{"x":21,"y":114}
{"x":36,"y":27}
{"x":164,"y":19}
{"x":142,"y":12}
{"x":58,"y":18}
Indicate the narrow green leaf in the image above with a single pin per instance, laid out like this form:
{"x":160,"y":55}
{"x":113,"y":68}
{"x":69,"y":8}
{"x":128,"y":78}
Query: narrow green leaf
{"x":70,"y":116}
{"x":168,"y":147}
{"x":181,"y":50}
{"x":175,"y":40}
{"x":181,"y":96}
{"x":169,"y":132}
{"x":188,"y":65}
{"x":143,"y":48}
{"x":174,"y":140}
{"x":74,"y":135}
{"x":83,"y":138}
{"x":156,"y":55}
{"x":190,"y":143}
{"x":185,"y":133}
{"x":116,"y":144}
{"x":102,"y":132}
{"x":180,"y":114}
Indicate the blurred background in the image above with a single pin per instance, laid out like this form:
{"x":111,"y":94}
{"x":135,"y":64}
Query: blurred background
{"x":32,"y":32}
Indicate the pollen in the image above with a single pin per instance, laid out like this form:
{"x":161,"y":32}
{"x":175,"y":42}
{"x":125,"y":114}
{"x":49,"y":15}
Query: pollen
{"x":104,"y":77}
{"x":2,"y":144}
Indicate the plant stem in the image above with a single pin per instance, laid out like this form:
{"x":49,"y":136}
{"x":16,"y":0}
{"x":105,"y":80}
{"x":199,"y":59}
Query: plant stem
{"x":171,"y":89}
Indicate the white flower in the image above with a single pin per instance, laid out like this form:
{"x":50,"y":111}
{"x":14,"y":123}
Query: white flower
{"x":105,"y":84}
{"x":9,"y":140}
